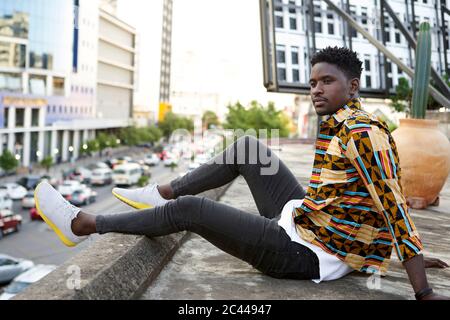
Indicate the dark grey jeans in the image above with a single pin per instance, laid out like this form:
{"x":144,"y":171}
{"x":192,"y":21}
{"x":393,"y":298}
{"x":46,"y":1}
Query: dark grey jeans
{"x":256,"y":239}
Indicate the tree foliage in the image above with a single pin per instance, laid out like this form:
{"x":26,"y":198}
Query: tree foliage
{"x":257,"y":117}
{"x":210,"y":119}
{"x":8,"y":161}
{"x":173,"y":122}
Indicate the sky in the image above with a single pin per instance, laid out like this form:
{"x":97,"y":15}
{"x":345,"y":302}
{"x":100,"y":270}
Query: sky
{"x":216,"y":49}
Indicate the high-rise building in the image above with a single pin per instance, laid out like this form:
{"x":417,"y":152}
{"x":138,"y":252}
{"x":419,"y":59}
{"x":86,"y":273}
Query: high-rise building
{"x":51,"y":62}
{"x":166,"y":52}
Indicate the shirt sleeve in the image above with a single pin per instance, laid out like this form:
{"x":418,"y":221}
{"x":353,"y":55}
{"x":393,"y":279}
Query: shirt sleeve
{"x":370,"y":151}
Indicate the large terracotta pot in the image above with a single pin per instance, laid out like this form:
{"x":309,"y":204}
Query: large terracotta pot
{"x":424,"y":153}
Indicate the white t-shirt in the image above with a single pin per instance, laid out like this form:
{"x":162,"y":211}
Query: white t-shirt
{"x":331,"y":268}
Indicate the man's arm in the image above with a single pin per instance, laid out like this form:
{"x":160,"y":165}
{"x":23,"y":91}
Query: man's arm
{"x":415,"y":267}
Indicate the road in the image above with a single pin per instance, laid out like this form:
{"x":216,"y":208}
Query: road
{"x":37,"y":242}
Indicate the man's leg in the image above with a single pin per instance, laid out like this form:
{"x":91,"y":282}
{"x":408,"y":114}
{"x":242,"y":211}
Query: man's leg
{"x":252,"y":238}
{"x":270,"y":191}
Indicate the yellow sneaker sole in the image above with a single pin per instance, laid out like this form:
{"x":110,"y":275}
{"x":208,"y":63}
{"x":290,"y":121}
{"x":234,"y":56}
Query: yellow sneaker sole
{"x":58,"y":232}
{"x":134,"y":204}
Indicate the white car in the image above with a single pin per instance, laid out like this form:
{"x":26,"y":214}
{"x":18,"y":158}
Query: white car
{"x":68,"y":187}
{"x":101,"y":176}
{"x":127,"y":174}
{"x":11,"y":267}
{"x":28,"y":201}
{"x":171,"y":159}
{"x":22,"y":281}
{"x":14,"y":190}
{"x":152,"y":160}
{"x":5,"y":201}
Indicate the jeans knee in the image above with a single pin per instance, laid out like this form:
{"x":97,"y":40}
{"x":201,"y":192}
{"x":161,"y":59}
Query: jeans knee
{"x":188,"y":209}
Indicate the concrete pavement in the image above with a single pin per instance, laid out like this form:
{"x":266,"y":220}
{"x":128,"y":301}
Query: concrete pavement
{"x":199,"y":270}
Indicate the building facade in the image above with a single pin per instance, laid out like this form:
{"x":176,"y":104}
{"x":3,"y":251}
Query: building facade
{"x":49,"y":78}
{"x":305,"y":26}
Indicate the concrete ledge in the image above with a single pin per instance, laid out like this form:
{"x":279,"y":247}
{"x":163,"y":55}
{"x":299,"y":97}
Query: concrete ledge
{"x":115,"y":267}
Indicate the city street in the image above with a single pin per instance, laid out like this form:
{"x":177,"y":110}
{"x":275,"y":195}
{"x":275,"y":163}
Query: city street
{"x":37,"y":242}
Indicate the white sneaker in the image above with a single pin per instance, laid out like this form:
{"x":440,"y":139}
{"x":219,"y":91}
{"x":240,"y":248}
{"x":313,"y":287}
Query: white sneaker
{"x":57,"y":212}
{"x":142,"y":198}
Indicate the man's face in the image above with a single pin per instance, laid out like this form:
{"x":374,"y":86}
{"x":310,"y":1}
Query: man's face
{"x":330,"y":88}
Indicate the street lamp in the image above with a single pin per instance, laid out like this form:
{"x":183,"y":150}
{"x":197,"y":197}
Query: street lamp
{"x":118,"y":141}
{"x":85,"y":146}
{"x":38,"y":154}
{"x":71,"y":149}
{"x":56,"y":151}
{"x":17,"y":156}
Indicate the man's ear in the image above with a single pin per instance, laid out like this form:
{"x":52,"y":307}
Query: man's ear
{"x":354,"y":86}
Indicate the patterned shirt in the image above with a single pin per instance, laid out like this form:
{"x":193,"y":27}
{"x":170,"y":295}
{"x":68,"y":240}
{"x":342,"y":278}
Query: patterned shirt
{"x":354,"y":207}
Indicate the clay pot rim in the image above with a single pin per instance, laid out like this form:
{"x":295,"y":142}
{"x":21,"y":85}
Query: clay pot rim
{"x":424,"y":123}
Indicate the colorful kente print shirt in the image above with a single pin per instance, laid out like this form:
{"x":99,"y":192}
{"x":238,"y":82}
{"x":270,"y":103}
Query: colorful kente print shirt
{"x":354,"y":207}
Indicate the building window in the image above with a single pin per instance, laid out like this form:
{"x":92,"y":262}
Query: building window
{"x":353,"y":32}
{"x":37,"y":84}
{"x":293,"y":23}
{"x":10,"y":82}
{"x":35,"y":117}
{"x":397,"y":37}
{"x":368,"y":81}
{"x":12,"y":55}
{"x":6,"y":117}
{"x":294,"y":55}
{"x":330,"y":28}
{"x":367,"y":64}
{"x":318,"y":26}
{"x":281,"y":54}
{"x":390,"y":84}
{"x":20,"y":117}
{"x":279,"y":22}
{"x":58,"y":86}
{"x":281,"y":74}
{"x":295,"y":75}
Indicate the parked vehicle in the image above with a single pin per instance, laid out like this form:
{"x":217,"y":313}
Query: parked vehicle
{"x":127,"y":174}
{"x":34,"y":214}
{"x":170,"y":159}
{"x":83,"y":196}
{"x":82,"y":175}
{"x":9,"y":222}
{"x":11,"y":267}
{"x":28,"y":200}
{"x":98,"y":165}
{"x":22,"y":281}
{"x":5,"y":201}
{"x":123,"y":160}
{"x":15,"y":191}
{"x":101,"y":176}
{"x":29,"y":182}
{"x":152,"y":160}
{"x":68,"y":187}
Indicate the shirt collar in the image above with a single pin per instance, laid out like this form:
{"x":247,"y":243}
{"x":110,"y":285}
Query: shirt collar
{"x":343,"y":113}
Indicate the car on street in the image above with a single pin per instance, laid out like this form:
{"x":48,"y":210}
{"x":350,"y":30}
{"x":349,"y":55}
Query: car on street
{"x":15,"y":191}
{"x":29,"y":182}
{"x":127,"y":174}
{"x":101,"y":176}
{"x":9,"y":222}
{"x":98,"y":165}
{"x":68,"y":187}
{"x":11,"y":267}
{"x":82,"y":175}
{"x":5,"y":201}
{"x":34,"y":214}
{"x":28,"y":200}
{"x":83,"y":196}
{"x":152,"y":160}
{"x":24,"y":280}
{"x":171,"y":159}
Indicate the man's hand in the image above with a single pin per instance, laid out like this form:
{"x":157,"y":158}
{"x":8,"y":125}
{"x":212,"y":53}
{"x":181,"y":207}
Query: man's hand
{"x":434,"y":263}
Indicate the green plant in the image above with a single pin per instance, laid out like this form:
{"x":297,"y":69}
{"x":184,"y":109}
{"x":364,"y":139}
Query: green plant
{"x":47,"y":162}
{"x":422,"y":72}
{"x":143,"y":181}
{"x":8,"y":161}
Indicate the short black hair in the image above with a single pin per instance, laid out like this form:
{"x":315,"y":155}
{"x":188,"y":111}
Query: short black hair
{"x":343,"y":58}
